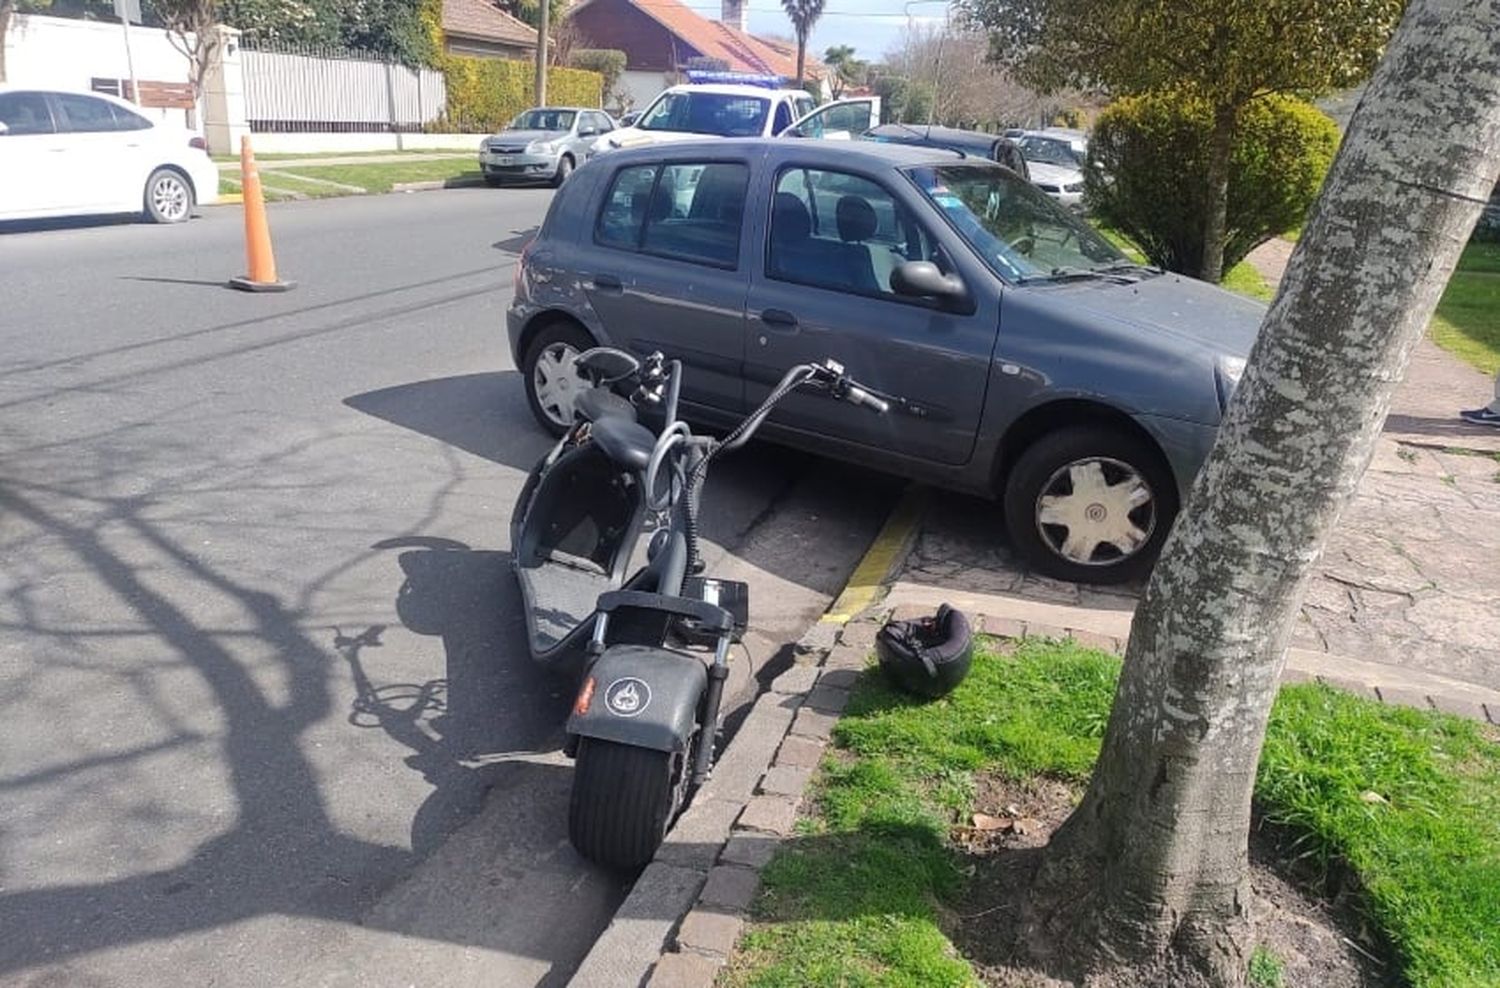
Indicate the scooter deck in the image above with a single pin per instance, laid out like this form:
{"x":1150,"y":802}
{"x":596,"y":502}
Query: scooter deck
{"x":570,"y":590}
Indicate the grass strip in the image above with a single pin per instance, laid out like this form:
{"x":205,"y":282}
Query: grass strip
{"x":1409,"y":800}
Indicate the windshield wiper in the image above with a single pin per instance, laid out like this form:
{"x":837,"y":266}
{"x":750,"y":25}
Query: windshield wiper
{"x":1066,"y":274}
{"x":1128,"y":266}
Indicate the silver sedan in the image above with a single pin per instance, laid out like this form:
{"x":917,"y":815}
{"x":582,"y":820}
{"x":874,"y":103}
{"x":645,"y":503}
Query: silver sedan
{"x":542,"y":145}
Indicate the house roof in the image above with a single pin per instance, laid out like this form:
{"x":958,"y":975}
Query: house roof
{"x":483,"y":20}
{"x":714,"y":39}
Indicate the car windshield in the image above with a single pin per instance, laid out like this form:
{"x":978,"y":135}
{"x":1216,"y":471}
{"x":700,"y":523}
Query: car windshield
{"x":543,"y":120}
{"x":724,"y":114}
{"x":1018,"y":231}
{"x":1048,"y":151}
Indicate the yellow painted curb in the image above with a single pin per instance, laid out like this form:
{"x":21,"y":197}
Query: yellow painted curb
{"x":229,"y":199}
{"x":867,"y":578}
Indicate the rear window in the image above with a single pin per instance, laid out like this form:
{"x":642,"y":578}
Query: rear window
{"x":687,"y":211}
{"x":25,"y":113}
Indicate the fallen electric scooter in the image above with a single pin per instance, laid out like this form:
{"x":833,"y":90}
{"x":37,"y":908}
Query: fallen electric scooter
{"x":645,"y":721}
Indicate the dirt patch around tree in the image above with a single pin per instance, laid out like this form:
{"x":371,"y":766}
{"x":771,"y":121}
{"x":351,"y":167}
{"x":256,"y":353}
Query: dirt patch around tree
{"x":1310,"y":923}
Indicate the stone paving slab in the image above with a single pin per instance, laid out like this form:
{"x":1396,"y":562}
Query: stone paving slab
{"x":1410,"y":579}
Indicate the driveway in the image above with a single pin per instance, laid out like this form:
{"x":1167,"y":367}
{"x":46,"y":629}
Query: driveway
{"x":265,"y":712}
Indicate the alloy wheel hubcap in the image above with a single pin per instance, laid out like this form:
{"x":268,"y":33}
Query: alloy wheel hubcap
{"x":1096,"y":511}
{"x":557,"y":383}
{"x":170,"y":197}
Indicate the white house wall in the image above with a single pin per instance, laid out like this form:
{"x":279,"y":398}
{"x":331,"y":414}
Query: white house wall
{"x":61,"y":53}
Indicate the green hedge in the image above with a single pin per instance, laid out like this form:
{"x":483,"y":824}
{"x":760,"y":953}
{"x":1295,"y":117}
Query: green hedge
{"x":1147,"y":173}
{"x":484,"y":94}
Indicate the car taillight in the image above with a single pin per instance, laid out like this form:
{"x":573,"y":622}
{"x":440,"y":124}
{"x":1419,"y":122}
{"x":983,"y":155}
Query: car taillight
{"x":199,"y":143}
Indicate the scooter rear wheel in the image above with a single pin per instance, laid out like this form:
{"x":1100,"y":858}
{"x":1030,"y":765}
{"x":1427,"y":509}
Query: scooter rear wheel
{"x":624,"y":799}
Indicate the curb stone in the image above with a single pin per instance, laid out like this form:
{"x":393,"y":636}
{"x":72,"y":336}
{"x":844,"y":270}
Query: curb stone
{"x":682,"y":928}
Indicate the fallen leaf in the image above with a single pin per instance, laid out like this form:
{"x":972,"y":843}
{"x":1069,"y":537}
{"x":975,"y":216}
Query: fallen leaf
{"x":1371,"y":796}
{"x":983,"y":821}
{"x":1026,"y":825}
{"x":1012,"y":810}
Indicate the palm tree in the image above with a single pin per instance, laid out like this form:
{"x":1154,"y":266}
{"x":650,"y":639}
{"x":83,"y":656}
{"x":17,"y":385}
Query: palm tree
{"x":843,"y":66}
{"x":803,"y":14}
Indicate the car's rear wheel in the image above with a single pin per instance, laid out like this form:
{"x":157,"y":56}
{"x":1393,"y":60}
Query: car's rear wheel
{"x":552,"y":380}
{"x":168,"y":196}
{"x":494,"y":181}
{"x":1090,"y":504}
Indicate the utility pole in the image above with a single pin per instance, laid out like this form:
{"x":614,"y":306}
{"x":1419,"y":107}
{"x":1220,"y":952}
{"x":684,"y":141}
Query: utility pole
{"x":541,"y":54}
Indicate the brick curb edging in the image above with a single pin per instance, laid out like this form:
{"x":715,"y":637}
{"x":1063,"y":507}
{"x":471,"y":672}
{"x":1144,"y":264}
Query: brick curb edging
{"x":679,"y":923}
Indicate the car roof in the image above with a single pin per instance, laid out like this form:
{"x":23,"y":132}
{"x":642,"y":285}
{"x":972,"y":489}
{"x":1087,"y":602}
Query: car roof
{"x":871,"y":154}
{"x":731,"y":89}
{"x":908,"y":133}
{"x":559,"y":109}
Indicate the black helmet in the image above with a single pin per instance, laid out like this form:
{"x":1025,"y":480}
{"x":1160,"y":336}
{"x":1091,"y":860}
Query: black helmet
{"x":928,"y":656}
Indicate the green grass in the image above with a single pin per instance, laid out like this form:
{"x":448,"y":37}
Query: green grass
{"x":380,"y":177}
{"x":856,"y":898}
{"x":301,"y":156}
{"x":1265,"y":969}
{"x":1427,"y":850}
{"x":1467,"y":323}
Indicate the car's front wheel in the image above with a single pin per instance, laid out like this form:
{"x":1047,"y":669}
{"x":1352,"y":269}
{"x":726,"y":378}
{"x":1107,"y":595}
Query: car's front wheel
{"x":1090,"y":504}
{"x":169,"y":197}
{"x":564,"y":169}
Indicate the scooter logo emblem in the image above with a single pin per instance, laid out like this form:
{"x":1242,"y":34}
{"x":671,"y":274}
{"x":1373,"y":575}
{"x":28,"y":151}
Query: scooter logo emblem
{"x":627,"y":697}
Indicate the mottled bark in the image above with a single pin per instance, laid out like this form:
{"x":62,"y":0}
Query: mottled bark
{"x":1152,"y":866}
{"x":1216,"y":223}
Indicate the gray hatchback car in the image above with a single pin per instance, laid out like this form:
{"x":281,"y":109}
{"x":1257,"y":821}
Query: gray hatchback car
{"x":1024,"y":356}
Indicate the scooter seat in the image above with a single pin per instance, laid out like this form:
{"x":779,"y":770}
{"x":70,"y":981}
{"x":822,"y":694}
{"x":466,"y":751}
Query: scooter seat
{"x":626,"y":442}
{"x":596,"y":404}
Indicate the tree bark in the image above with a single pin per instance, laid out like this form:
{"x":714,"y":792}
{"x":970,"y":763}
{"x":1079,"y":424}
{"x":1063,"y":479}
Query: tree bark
{"x":6,"y":8}
{"x":1216,"y":223}
{"x":1152,"y":867}
{"x":801,"y":56}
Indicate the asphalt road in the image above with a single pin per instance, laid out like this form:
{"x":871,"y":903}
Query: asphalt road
{"x":266,"y":716}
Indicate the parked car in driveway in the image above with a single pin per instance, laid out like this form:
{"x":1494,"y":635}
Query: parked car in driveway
{"x":1056,"y":161}
{"x":80,"y":154}
{"x":971,"y":142}
{"x":542,"y":144}
{"x":1025,"y":357}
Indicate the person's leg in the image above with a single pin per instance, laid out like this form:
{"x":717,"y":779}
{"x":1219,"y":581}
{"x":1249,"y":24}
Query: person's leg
{"x":1488,"y":415}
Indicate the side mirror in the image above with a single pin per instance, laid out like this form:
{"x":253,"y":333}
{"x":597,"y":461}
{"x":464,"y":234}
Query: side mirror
{"x":587,"y":131}
{"x":923,"y":279}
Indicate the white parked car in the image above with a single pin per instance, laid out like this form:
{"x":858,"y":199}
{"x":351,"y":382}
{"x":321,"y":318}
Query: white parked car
{"x":1055,"y":157}
{"x":696,"y":110}
{"x":78,"y":154}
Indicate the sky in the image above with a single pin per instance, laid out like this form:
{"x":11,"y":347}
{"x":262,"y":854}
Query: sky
{"x":869,"y":26}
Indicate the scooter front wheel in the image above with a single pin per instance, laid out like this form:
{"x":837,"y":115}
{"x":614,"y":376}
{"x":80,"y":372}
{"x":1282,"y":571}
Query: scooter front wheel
{"x":624,"y":799}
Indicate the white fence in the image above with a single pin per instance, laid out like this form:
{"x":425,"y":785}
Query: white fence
{"x":294,"y":92}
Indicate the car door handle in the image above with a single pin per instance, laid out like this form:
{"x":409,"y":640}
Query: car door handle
{"x":779,"y":319}
{"x":608,"y":283}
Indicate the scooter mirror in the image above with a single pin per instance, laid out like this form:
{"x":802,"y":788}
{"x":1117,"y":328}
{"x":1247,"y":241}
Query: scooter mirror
{"x":606,"y":365}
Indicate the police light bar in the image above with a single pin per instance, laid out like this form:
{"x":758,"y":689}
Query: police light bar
{"x":704,"y":77}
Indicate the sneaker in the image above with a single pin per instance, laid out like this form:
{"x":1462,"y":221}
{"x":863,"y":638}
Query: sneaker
{"x":1481,"y":416}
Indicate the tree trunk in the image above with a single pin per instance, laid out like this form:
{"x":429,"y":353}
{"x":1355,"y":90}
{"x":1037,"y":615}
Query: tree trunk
{"x":1216,"y":223}
{"x":1151,"y":869}
{"x":6,"y":7}
{"x":801,"y":56}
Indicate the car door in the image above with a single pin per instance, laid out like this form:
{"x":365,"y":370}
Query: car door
{"x":27,"y":147}
{"x":841,"y":120}
{"x":102,"y":164}
{"x":666,"y":270}
{"x":823,"y":290}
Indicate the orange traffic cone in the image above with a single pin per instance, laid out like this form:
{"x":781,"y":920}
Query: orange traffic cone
{"x":262,"y":276}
